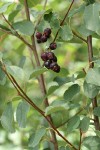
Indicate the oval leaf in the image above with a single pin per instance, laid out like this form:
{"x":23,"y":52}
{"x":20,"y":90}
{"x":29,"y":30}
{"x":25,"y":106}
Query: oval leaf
{"x":24,"y":27}
{"x":66,"y":33}
{"x":73,"y":123}
{"x":93,"y":76}
{"x":96,"y":111}
{"x":37,"y":72}
{"x":34,"y":140}
{"x":4,"y":7}
{"x":21,"y":114}
{"x":71,"y":92}
{"x":90,"y":90}
{"x":52,"y":109}
{"x":7,"y":118}
{"x":84,"y":125}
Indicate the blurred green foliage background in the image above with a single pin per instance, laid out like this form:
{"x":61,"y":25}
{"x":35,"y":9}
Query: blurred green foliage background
{"x":72,"y":55}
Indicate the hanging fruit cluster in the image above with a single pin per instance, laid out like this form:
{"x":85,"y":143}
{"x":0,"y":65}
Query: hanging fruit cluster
{"x":49,"y":58}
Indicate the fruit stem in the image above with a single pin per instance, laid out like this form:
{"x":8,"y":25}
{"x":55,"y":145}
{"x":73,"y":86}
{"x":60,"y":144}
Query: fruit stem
{"x":91,"y":65}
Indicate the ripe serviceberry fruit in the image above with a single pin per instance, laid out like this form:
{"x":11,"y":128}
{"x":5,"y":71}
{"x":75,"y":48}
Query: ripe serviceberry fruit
{"x":38,"y":40}
{"x":43,"y":38}
{"x":44,"y":56}
{"x":56,"y":68}
{"x":53,"y":46}
{"x":50,"y":55}
{"x":52,"y":65}
{"x":47,"y":31}
{"x":54,"y":59}
{"x":38,"y":35}
{"x":47,"y":64}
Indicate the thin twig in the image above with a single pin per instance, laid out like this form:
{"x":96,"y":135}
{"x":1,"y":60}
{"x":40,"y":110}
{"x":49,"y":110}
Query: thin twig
{"x":80,"y":140}
{"x":62,"y":22}
{"x":84,"y":40}
{"x":91,"y":65}
{"x":41,"y":78}
{"x":24,"y":95}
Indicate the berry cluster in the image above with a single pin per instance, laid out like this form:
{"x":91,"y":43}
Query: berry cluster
{"x":50,"y":61}
{"x":49,"y":58}
{"x":41,"y":38}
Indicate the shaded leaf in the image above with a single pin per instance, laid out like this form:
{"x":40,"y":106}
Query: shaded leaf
{"x":52,"y":109}
{"x":7,"y":118}
{"x":24,"y":27}
{"x":4,"y":7}
{"x":90,"y":90}
{"x":21,"y":113}
{"x":34,"y":140}
{"x":96,"y":111}
{"x":71,"y":92}
{"x":93,"y":76}
{"x":18,"y":73}
{"x":66,"y":33}
{"x":84,"y":125}
{"x":52,"y":89}
{"x":37,"y":72}
{"x":91,"y":17}
{"x":92,"y":142}
{"x":73,"y":123}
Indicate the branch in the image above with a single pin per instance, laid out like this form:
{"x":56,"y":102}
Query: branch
{"x":80,"y":140}
{"x":91,"y":65}
{"x":41,"y":78}
{"x":62,"y":22}
{"x":84,"y":40}
{"x":24,"y":96}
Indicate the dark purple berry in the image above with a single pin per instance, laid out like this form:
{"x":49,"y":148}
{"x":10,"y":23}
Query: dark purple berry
{"x":43,"y":38}
{"x":54,"y":59}
{"x":52,"y":65}
{"x":38,"y":35}
{"x":38,"y":40}
{"x":50,"y":55}
{"x":47,"y":64}
{"x":53,"y":46}
{"x":56,"y":69}
{"x":44,"y":56}
{"x":47,"y":31}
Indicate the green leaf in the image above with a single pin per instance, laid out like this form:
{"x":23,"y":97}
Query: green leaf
{"x":63,"y":148}
{"x":97,"y":133}
{"x":13,"y":15}
{"x":2,"y":77}
{"x":31,"y":3}
{"x":84,"y":31}
{"x":34,"y":141}
{"x":96,"y":111}
{"x":18,"y":73}
{"x":91,"y":17}
{"x":66,"y":33}
{"x":71,"y":92}
{"x":53,"y":109}
{"x":84,"y":125}
{"x":21,"y":114}
{"x":38,"y":71}
{"x":90,"y":90}
{"x":7,"y":118}
{"x":5,"y":28}
{"x":4,"y":7}
{"x":78,"y":10}
{"x":52,"y":89}
{"x":92,"y":142}
{"x":24,"y":27}
{"x":93,"y":76}
{"x":73,"y":123}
